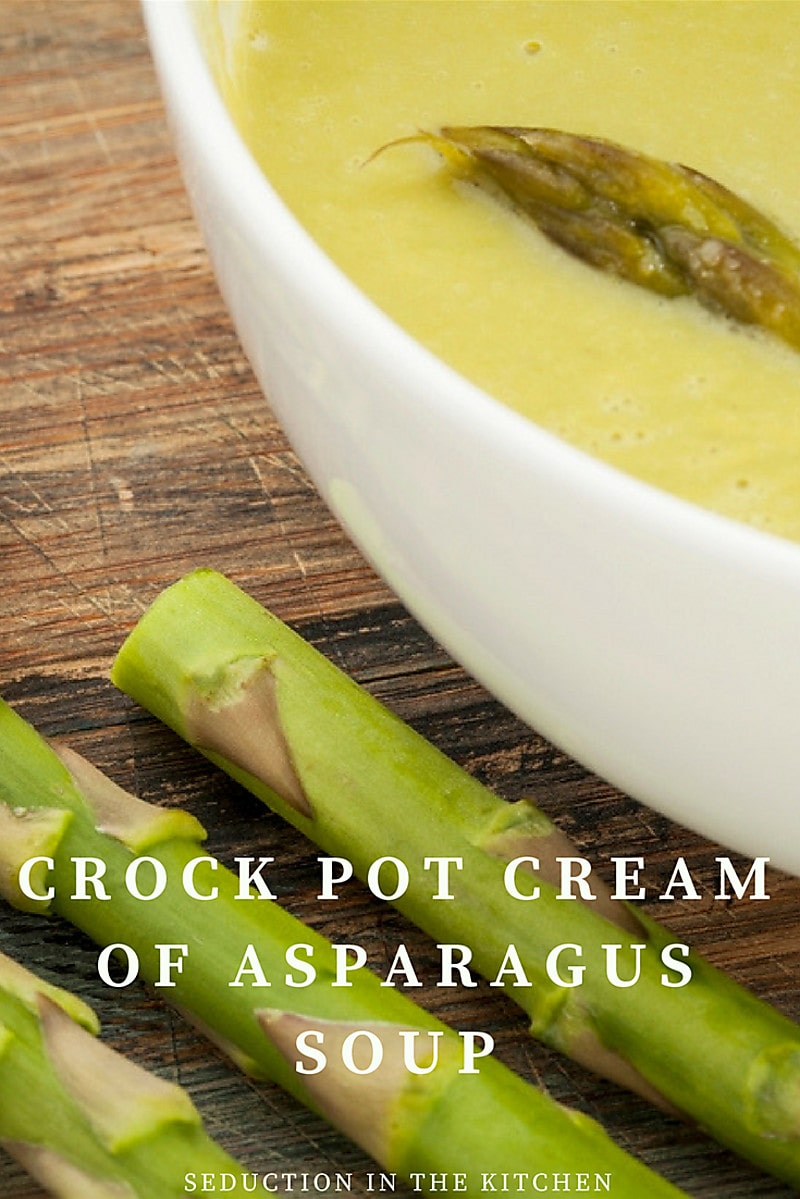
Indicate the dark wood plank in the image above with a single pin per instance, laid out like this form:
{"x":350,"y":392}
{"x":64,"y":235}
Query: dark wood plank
{"x":134,"y":445}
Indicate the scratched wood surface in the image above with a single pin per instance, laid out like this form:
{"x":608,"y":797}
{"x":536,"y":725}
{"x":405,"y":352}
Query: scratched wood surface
{"x":134,"y":445}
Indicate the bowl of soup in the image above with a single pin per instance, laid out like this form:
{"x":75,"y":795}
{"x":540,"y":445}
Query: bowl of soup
{"x":589,"y":494}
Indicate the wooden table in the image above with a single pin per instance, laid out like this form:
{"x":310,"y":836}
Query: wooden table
{"x":135,"y":445}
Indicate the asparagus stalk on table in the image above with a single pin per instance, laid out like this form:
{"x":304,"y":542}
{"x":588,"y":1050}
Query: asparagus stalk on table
{"x":666,"y":227}
{"x":269,"y":709}
{"x":457,"y":1118}
{"x":84,"y":1121}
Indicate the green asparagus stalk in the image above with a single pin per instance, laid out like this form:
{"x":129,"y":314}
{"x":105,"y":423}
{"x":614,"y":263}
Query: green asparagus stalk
{"x":57,"y":807}
{"x":84,"y":1121}
{"x":256,"y":699}
{"x":661,"y":225}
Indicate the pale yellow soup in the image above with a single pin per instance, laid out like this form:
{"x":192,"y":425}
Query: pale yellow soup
{"x":660,"y":388}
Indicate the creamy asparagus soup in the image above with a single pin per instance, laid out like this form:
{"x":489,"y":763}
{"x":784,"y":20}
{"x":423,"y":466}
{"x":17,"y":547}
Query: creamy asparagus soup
{"x":660,"y":387}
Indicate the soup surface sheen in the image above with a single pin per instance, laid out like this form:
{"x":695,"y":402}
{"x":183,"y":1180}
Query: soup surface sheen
{"x":660,"y":388}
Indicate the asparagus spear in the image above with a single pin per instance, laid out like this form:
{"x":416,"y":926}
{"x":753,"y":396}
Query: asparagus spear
{"x":56,"y":806}
{"x":271,"y":711}
{"x":84,"y":1121}
{"x":661,"y":225}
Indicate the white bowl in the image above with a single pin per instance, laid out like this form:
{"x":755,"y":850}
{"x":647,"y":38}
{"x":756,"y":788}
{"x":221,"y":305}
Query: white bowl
{"x":656,"y":643}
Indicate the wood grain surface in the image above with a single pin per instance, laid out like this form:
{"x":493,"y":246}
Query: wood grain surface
{"x":135,"y":445}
